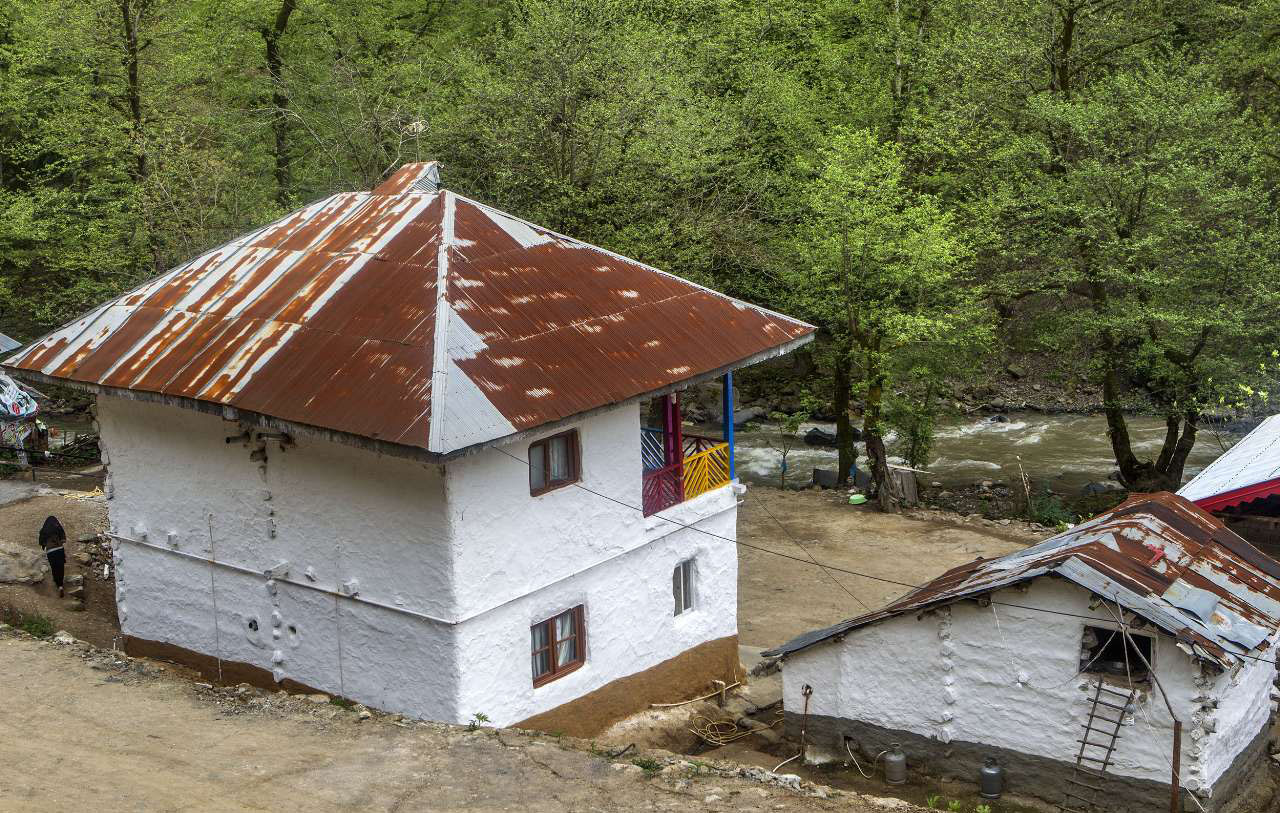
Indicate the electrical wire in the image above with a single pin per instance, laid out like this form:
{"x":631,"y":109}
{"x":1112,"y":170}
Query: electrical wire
{"x":833,"y":568}
{"x":796,"y":542}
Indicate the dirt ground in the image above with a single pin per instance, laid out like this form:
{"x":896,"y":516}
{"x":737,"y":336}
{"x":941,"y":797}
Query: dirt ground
{"x":87,"y":730}
{"x":779,"y":598}
{"x":23,"y":508}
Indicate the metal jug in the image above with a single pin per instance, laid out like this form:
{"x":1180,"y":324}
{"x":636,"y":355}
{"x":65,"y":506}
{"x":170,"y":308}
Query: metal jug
{"x":991,"y":779}
{"x":895,"y":765}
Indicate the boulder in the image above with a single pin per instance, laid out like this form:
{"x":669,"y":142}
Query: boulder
{"x":1016,"y":371}
{"x":820,"y":437}
{"x":1090,"y":489}
{"x":825,"y":478}
{"x":999,"y":418}
{"x":21,"y":565}
{"x":753,"y":413}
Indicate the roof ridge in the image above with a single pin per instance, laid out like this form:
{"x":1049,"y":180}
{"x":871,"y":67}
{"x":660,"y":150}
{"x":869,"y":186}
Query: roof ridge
{"x":440,"y":346}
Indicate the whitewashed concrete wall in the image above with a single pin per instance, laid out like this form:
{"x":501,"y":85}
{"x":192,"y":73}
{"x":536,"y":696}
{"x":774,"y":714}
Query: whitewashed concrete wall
{"x":467,"y":546}
{"x":518,"y":566}
{"x":958,"y":675}
{"x":339,"y":514}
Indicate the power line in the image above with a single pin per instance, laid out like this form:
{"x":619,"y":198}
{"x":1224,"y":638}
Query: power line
{"x":831,"y":568}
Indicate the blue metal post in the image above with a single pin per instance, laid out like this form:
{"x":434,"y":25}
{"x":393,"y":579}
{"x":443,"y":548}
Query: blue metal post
{"x":726,"y":418}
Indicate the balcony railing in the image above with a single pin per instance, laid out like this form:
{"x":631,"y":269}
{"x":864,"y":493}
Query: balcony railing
{"x":704,"y":467}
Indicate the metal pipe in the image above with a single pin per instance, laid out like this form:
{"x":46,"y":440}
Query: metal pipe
{"x":726,"y":419}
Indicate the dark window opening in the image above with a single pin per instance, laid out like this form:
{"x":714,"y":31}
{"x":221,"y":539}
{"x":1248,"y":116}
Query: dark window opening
{"x":553,"y":462}
{"x":1108,"y":652}
{"x":559,"y":645}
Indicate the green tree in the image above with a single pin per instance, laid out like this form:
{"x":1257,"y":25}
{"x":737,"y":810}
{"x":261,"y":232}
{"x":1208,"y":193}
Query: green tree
{"x":882,"y":277}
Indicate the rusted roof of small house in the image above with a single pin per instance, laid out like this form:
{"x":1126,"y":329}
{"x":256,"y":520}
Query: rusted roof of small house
{"x":1248,"y":471}
{"x":413,"y":316}
{"x":1157,"y":555}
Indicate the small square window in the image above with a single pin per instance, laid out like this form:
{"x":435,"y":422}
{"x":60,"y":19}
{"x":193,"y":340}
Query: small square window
{"x":682,"y":586}
{"x":553,"y":462}
{"x":559,"y":645}
{"x":1106,"y":651}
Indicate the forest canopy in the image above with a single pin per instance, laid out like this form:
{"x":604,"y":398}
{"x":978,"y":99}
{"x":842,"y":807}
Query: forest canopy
{"x":925,"y":180}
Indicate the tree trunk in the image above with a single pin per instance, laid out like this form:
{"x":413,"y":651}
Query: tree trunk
{"x":844,"y":427}
{"x":133,"y":85}
{"x":1165,"y":472}
{"x":279,"y":99}
{"x":877,"y":458}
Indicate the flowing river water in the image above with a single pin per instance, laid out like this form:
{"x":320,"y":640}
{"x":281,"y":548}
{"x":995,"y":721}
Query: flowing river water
{"x":1061,"y":452}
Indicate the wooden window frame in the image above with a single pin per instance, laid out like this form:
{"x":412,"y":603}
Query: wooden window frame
{"x":575,"y":460}
{"x":559,"y":670}
{"x":684,"y":567}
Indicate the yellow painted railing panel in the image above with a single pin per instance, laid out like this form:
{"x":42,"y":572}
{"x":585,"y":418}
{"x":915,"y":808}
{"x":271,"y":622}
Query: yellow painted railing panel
{"x":706,"y":470}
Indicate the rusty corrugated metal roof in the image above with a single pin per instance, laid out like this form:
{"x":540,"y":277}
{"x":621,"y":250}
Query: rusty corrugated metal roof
{"x":413,"y":316}
{"x":1158,"y":555}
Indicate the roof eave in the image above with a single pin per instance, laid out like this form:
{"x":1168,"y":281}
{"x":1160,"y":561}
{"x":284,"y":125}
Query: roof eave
{"x":381,"y":446}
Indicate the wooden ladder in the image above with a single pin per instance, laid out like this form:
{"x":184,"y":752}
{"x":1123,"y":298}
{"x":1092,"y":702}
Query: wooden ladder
{"x":1096,"y":747}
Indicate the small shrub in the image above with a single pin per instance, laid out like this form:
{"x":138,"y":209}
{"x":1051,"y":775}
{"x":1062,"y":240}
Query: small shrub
{"x":954,"y":806}
{"x":341,"y":702}
{"x":37,"y":625}
{"x":1048,"y":509}
{"x":982,"y":809}
{"x":932,"y":801}
{"x":478,"y":719}
{"x":651,"y":766}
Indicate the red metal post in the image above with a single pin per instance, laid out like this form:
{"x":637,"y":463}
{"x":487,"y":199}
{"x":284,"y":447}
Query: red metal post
{"x":678,"y":429}
{"x":1175,"y":803}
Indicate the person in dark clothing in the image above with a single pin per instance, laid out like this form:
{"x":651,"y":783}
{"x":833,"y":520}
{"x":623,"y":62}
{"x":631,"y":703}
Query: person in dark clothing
{"x":52,"y":540}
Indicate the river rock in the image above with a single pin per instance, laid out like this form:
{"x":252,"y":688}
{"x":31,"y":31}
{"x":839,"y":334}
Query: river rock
{"x":999,"y":418}
{"x":743,"y":416}
{"x":1016,"y":371}
{"x":21,"y":565}
{"x":1090,"y":489}
{"x":819,"y":437}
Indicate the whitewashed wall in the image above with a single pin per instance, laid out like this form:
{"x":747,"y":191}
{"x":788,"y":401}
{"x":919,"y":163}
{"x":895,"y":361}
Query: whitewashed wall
{"x":339,"y":514}
{"x":469,"y":547}
{"x":958,"y":675}
{"x":517,"y":566}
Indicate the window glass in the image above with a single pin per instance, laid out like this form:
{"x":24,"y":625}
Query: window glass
{"x":682,"y":586}
{"x":541,"y":651}
{"x":566,"y":639}
{"x":561,"y":462}
{"x":537,"y":467}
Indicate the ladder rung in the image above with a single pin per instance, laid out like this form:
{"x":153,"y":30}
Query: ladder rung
{"x":1117,"y":692}
{"x":1089,"y":773}
{"x":1093,"y":717}
{"x":1094,"y":788}
{"x":1086,"y":741}
{"x":1099,"y":761}
{"x":1084,"y":799}
{"x":1109,"y":705}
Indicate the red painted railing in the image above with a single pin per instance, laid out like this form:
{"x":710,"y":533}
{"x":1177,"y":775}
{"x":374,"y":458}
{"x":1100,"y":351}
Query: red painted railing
{"x":663,"y":488}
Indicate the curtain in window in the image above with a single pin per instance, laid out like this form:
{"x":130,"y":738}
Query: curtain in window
{"x":560,"y":462}
{"x":566,"y":642}
{"x":537,"y":467}
{"x":677,"y":588}
{"x":541,"y":659}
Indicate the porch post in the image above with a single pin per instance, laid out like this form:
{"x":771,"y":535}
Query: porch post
{"x":726,"y":417}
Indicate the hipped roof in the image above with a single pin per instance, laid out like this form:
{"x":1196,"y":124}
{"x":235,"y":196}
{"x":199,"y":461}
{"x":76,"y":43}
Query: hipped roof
{"x":412,"y":317}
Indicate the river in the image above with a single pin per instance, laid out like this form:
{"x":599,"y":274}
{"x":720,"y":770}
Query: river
{"x":1062,"y":452}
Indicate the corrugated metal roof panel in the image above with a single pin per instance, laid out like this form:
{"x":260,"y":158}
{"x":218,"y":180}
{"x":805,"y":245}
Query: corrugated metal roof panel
{"x":1253,"y":461}
{"x":7,"y":344}
{"x":1159,"y":555}
{"x":413,"y":316}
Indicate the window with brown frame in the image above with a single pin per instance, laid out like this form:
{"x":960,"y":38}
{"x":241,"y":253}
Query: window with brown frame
{"x":553,"y":462}
{"x":559,"y":645}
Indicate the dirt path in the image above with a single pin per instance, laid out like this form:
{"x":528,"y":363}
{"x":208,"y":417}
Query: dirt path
{"x":779,"y":599}
{"x":84,"y":730}
{"x":23,"y":508}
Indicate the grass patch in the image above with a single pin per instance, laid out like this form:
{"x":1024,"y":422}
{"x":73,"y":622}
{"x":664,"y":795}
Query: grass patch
{"x":30,"y":623}
{"x":342,"y":703}
{"x":648,"y":764}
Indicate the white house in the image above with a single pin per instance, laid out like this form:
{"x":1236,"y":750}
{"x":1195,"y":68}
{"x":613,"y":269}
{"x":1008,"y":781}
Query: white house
{"x":1025,"y":656}
{"x":390,"y":447}
{"x":1242,"y":487}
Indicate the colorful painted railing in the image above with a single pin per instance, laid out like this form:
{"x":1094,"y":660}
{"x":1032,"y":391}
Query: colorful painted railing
{"x":706,"y":470}
{"x":652,"y":452}
{"x":662,"y":489}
